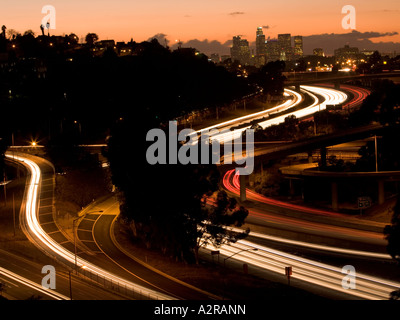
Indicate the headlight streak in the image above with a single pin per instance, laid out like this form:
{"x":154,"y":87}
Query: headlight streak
{"x":297,"y":99}
{"x":304,"y":269}
{"x":26,"y":282}
{"x":331,"y":97}
{"x":367,"y":287}
{"x":234,"y":188}
{"x":43,"y":240}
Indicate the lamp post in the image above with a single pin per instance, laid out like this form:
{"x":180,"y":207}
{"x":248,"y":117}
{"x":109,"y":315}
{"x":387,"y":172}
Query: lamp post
{"x":251,"y":249}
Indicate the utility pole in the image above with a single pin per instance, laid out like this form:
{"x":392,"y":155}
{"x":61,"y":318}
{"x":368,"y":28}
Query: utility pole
{"x":14,"y":212}
{"x":376,"y":155}
{"x":70,"y":284}
{"x":5,"y":188}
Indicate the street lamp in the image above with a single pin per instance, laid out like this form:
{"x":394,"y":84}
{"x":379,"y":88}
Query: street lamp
{"x":251,"y":249}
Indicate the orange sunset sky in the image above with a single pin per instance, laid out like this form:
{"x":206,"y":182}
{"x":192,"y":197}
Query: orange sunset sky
{"x":218,"y":20}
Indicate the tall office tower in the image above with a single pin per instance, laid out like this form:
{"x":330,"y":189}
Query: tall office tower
{"x":260,"y":48}
{"x":235,"y":49}
{"x":285,"y":44}
{"x":240,"y":50}
{"x":273,"y":50}
{"x":260,"y":42}
{"x":298,"y":46}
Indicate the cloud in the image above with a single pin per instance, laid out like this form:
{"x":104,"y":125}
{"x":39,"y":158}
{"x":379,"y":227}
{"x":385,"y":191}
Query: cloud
{"x":329,"y":42}
{"x":161,"y":37}
{"x":207,"y":46}
{"x":265,"y":27}
{"x":362,"y":40}
{"x":391,"y":11}
{"x":236,"y":13}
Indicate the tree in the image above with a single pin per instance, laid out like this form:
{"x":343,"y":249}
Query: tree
{"x":73,"y":38}
{"x":381,"y":105}
{"x":270,"y":77}
{"x":216,"y":225}
{"x":91,"y":38}
{"x":3,"y":29}
{"x":165,"y":205}
{"x":29,"y":33}
{"x":12,"y":34}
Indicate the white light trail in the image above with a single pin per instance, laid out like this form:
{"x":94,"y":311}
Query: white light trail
{"x":26,"y":282}
{"x":367,"y":287}
{"x":43,"y":240}
{"x":297,"y":98}
{"x":331,"y":97}
{"x":321,"y":247}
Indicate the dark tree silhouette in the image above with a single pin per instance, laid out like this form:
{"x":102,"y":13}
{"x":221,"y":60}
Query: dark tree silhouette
{"x":91,"y":38}
{"x":165,"y":204}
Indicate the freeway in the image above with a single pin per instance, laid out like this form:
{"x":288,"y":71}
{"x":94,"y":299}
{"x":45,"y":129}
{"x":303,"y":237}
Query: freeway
{"x":294,"y":100}
{"x":309,"y":272}
{"x":227,"y":131}
{"x":23,"y":280}
{"x":95,"y":231}
{"x":328,"y":232}
{"x":371,"y":289}
{"x":33,"y":226}
{"x":308,"y":221}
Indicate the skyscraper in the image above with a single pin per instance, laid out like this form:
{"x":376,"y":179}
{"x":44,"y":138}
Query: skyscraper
{"x":285,"y":44}
{"x":260,"y":42}
{"x":298,"y":46}
{"x":260,"y":47}
{"x":272,"y":50}
{"x":240,"y":50}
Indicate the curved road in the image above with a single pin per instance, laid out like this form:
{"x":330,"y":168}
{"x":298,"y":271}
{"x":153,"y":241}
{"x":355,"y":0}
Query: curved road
{"x":38,"y":223}
{"x":96,"y":233}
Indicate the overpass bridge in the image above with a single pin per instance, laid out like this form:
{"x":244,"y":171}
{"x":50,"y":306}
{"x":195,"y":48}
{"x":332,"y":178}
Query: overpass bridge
{"x":269,"y":153}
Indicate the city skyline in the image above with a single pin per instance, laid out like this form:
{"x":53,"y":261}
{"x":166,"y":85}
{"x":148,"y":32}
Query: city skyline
{"x":212,"y":24}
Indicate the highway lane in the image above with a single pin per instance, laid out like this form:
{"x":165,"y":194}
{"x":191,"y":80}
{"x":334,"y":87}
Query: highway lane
{"x":295,"y":100}
{"x":17,"y":287}
{"x":95,"y":231}
{"x":33,"y":228}
{"x":233,"y":129}
{"x":305,"y":259}
{"x":309,"y":272}
{"x":33,"y":191}
{"x":329,"y":97}
{"x":301,"y":221}
{"x":23,"y":278}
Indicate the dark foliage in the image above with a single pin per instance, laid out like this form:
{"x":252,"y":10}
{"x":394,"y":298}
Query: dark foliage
{"x":165,"y":204}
